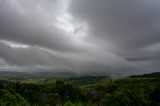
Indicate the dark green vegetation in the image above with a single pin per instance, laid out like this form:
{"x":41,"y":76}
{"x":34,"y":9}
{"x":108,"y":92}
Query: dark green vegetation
{"x":27,"y":90}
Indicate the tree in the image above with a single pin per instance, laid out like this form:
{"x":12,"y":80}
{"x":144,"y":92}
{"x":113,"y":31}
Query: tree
{"x":11,"y":99}
{"x":155,"y":96}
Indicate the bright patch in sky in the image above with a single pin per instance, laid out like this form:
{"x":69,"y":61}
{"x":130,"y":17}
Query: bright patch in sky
{"x":14,"y":45}
{"x":66,"y":22}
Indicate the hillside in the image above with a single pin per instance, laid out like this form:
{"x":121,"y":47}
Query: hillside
{"x":140,"y":90}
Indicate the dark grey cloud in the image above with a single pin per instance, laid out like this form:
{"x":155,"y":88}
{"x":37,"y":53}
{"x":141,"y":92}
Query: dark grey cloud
{"x":128,"y":25}
{"x":34,"y":56}
{"x":27,"y":22}
{"x":80,"y":34}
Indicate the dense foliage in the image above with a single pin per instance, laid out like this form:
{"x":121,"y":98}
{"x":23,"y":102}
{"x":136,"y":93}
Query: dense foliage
{"x":141,"y":90}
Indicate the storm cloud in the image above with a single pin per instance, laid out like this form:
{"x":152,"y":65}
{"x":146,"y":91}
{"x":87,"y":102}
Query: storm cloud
{"x":81,"y":35}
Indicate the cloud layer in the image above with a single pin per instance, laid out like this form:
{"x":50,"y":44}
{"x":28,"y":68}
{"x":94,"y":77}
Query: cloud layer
{"x":92,"y":35}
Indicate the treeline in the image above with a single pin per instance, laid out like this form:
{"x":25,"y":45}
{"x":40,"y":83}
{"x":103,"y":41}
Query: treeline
{"x":137,"y":91}
{"x":154,"y":75}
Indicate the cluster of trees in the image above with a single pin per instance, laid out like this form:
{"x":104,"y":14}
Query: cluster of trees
{"x":125,"y":92}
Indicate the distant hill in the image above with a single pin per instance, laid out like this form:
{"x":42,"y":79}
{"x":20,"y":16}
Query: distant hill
{"x":27,"y":75}
{"x":155,"y":74}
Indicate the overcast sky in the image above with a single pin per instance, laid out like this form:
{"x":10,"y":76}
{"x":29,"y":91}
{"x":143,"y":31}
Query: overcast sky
{"x":81,"y":35}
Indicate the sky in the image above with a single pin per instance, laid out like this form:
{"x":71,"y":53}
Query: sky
{"x":80,"y":35}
